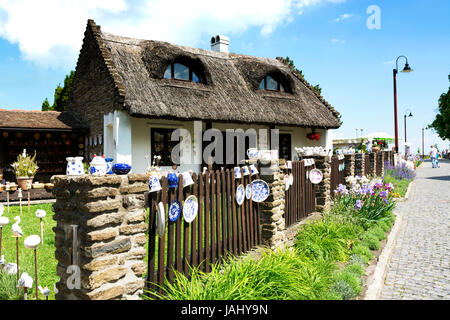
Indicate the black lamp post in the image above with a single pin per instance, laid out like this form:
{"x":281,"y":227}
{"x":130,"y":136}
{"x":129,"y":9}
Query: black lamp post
{"x":406,"y":68}
{"x":407,"y":114}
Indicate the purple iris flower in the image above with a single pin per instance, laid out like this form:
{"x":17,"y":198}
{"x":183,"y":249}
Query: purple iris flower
{"x":383,"y":194}
{"x":358,"y":205}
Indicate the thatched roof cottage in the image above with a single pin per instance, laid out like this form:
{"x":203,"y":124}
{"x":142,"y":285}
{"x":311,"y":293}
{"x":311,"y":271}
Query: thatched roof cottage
{"x":134,"y":93}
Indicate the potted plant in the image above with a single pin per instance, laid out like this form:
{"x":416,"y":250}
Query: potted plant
{"x":25,"y":168}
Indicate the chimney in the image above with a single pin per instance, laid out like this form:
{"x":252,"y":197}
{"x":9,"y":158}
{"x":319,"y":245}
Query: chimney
{"x":220,"y":43}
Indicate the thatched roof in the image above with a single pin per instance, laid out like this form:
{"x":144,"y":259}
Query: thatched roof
{"x":39,"y":120}
{"x":229,"y":91}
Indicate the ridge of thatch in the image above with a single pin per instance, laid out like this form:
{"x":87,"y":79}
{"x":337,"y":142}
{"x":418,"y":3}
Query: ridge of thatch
{"x":228,"y":92}
{"x":302,"y":79}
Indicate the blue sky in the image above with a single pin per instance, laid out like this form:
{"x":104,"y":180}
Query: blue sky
{"x":328,"y":39}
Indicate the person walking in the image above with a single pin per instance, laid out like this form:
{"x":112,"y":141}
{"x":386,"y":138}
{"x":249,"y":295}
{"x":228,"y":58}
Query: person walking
{"x":433,"y":156}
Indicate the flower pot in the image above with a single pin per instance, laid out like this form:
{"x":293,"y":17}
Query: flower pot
{"x":22,"y":182}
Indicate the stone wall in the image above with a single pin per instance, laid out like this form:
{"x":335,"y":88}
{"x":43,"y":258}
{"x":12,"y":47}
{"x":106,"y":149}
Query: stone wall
{"x":373,"y":164}
{"x":109,"y":216}
{"x":359,"y":164}
{"x":349,"y":165}
{"x":272,"y":220}
{"x":323,"y":189}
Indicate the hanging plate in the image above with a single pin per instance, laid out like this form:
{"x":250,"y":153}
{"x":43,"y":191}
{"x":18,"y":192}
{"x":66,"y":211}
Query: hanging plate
{"x":240,"y":194}
{"x":174,"y":210}
{"x":160,"y":220}
{"x":316,"y":176}
{"x":260,"y":190}
{"x":190,"y":208}
{"x":248,"y":191}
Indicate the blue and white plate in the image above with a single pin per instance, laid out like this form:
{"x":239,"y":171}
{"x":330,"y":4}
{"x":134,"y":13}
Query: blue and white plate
{"x":190,"y":208}
{"x":240,"y":194}
{"x":248,"y":191}
{"x":260,"y":190}
{"x":174,"y":210}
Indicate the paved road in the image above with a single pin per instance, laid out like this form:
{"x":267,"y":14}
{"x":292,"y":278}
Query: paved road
{"x":420,"y":265}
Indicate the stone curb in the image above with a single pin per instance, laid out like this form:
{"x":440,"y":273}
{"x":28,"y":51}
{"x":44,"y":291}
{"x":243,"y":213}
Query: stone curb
{"x":407,"y":192}
{"x":376,"y":283}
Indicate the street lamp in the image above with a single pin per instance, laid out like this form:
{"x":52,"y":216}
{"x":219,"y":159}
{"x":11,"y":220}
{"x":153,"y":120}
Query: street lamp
{"x":407,"y":114}
{"x":406,"y":68}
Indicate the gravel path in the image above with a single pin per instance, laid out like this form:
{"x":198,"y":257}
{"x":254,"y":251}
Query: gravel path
{"x":420,"y":265}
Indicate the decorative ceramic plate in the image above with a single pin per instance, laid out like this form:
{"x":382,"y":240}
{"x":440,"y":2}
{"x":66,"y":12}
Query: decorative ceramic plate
{"x":240,"y":194}
{"x":248,"y":191}
{"x":174,"y":210}
{"x":316,"y":176}
{"x":190,"y":208}
{"x":160,"y":220}
{"x":260,"y":190}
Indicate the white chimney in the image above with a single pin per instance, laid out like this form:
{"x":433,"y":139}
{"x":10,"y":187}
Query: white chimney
{"x":220,"y":43}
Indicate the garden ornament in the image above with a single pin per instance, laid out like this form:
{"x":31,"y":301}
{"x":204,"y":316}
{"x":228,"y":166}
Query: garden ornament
{"x":187,"y":179}
{"x":154,"y":184}
{"x":32,"y":242}
{"x":25,"y":282}
{"x":17,"y":233}
{"x":3,"y":222}
{"x":98,"y":165}
{"x":45,"y":292}
{"x":172,"y":180}
{"x":41,"y":214}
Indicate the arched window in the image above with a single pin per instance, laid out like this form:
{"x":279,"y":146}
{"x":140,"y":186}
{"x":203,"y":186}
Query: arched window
{"x":269,"y":83}
{"x":181,"y":72}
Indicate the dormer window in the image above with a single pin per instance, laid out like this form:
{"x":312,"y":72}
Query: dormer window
{"x":180,"y":71}
{"x":269,"y":83}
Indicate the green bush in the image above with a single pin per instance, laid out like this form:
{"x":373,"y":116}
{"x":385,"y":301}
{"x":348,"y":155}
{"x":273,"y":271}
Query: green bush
{"x":371,"y":241}
{"x":357,"y":259}
{"x":385,"y":225}
{"x":353,"y":280}
{"x":343,"y":289}
{"x":378,"y":232}
{"x":355,"y":268}
{"x":327,"y":239}
{"x":363,"y":251}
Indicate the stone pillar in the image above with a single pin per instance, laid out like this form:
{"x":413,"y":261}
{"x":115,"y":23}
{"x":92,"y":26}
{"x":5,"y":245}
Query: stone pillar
{"x":359,"y":164}
{"x":109,"y":215}
{"x":349,"y":165}
{"x":323,"y":189}
{"x":272,"y":209}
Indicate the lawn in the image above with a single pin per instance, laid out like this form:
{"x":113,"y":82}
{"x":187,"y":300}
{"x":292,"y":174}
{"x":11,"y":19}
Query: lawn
{"x":45,"y":254}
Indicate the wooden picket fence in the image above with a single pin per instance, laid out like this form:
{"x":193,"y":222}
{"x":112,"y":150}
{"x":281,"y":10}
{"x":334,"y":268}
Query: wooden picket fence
{"x":300,"y":198}
{"x":367,"y":170}
{"x":222,"y":227}
{"x":337,"y":173}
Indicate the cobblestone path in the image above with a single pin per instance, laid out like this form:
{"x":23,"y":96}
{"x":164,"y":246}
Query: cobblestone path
{"x":420,"y":265}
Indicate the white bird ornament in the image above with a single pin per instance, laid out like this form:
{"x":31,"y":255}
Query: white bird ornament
{"x":16,"y":229}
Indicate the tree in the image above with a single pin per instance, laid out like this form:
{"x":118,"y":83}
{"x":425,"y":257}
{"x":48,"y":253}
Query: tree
{"x":441,"y":123}
{"x":46,"y":105}
{"x":61,"y":96}
{"x":300,"y":72}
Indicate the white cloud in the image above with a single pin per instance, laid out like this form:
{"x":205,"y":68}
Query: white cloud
{"x":343,"y":17}
{"x":335,"y":40}
{"x":50,"y":32}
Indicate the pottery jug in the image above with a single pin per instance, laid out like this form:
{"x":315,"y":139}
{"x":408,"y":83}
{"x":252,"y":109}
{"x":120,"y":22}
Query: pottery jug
{"x":74,"y":166}
{"x":98,"y":166}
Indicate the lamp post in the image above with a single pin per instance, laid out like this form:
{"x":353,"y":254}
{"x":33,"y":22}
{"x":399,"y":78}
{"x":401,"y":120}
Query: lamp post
{"x":395,"y":71}
{"x":423,"y":151}
{"x":405,"y":116}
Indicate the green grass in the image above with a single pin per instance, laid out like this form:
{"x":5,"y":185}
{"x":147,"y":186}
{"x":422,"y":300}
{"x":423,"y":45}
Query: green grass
{"x":46,"y":260}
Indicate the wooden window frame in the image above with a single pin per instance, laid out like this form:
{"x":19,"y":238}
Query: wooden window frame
{"x":166,"y":154}
{"x":264,"y":80}
{"x":172,"y":73}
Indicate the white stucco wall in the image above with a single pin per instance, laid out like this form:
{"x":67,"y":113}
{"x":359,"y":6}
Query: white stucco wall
{"x":127,"y":139}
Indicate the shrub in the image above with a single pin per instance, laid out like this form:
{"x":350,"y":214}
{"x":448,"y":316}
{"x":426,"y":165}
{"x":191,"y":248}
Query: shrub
{"x":378,"y":232}
{"x":343,"y":289}
{"x":371,"y":241}
{"x":355,"y":268}
{"x":327,"y":239}
{"x":357,"y":259}
{"x":353,"y":280}
{"x":385,"y":225}
{"x":363,"y":251}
